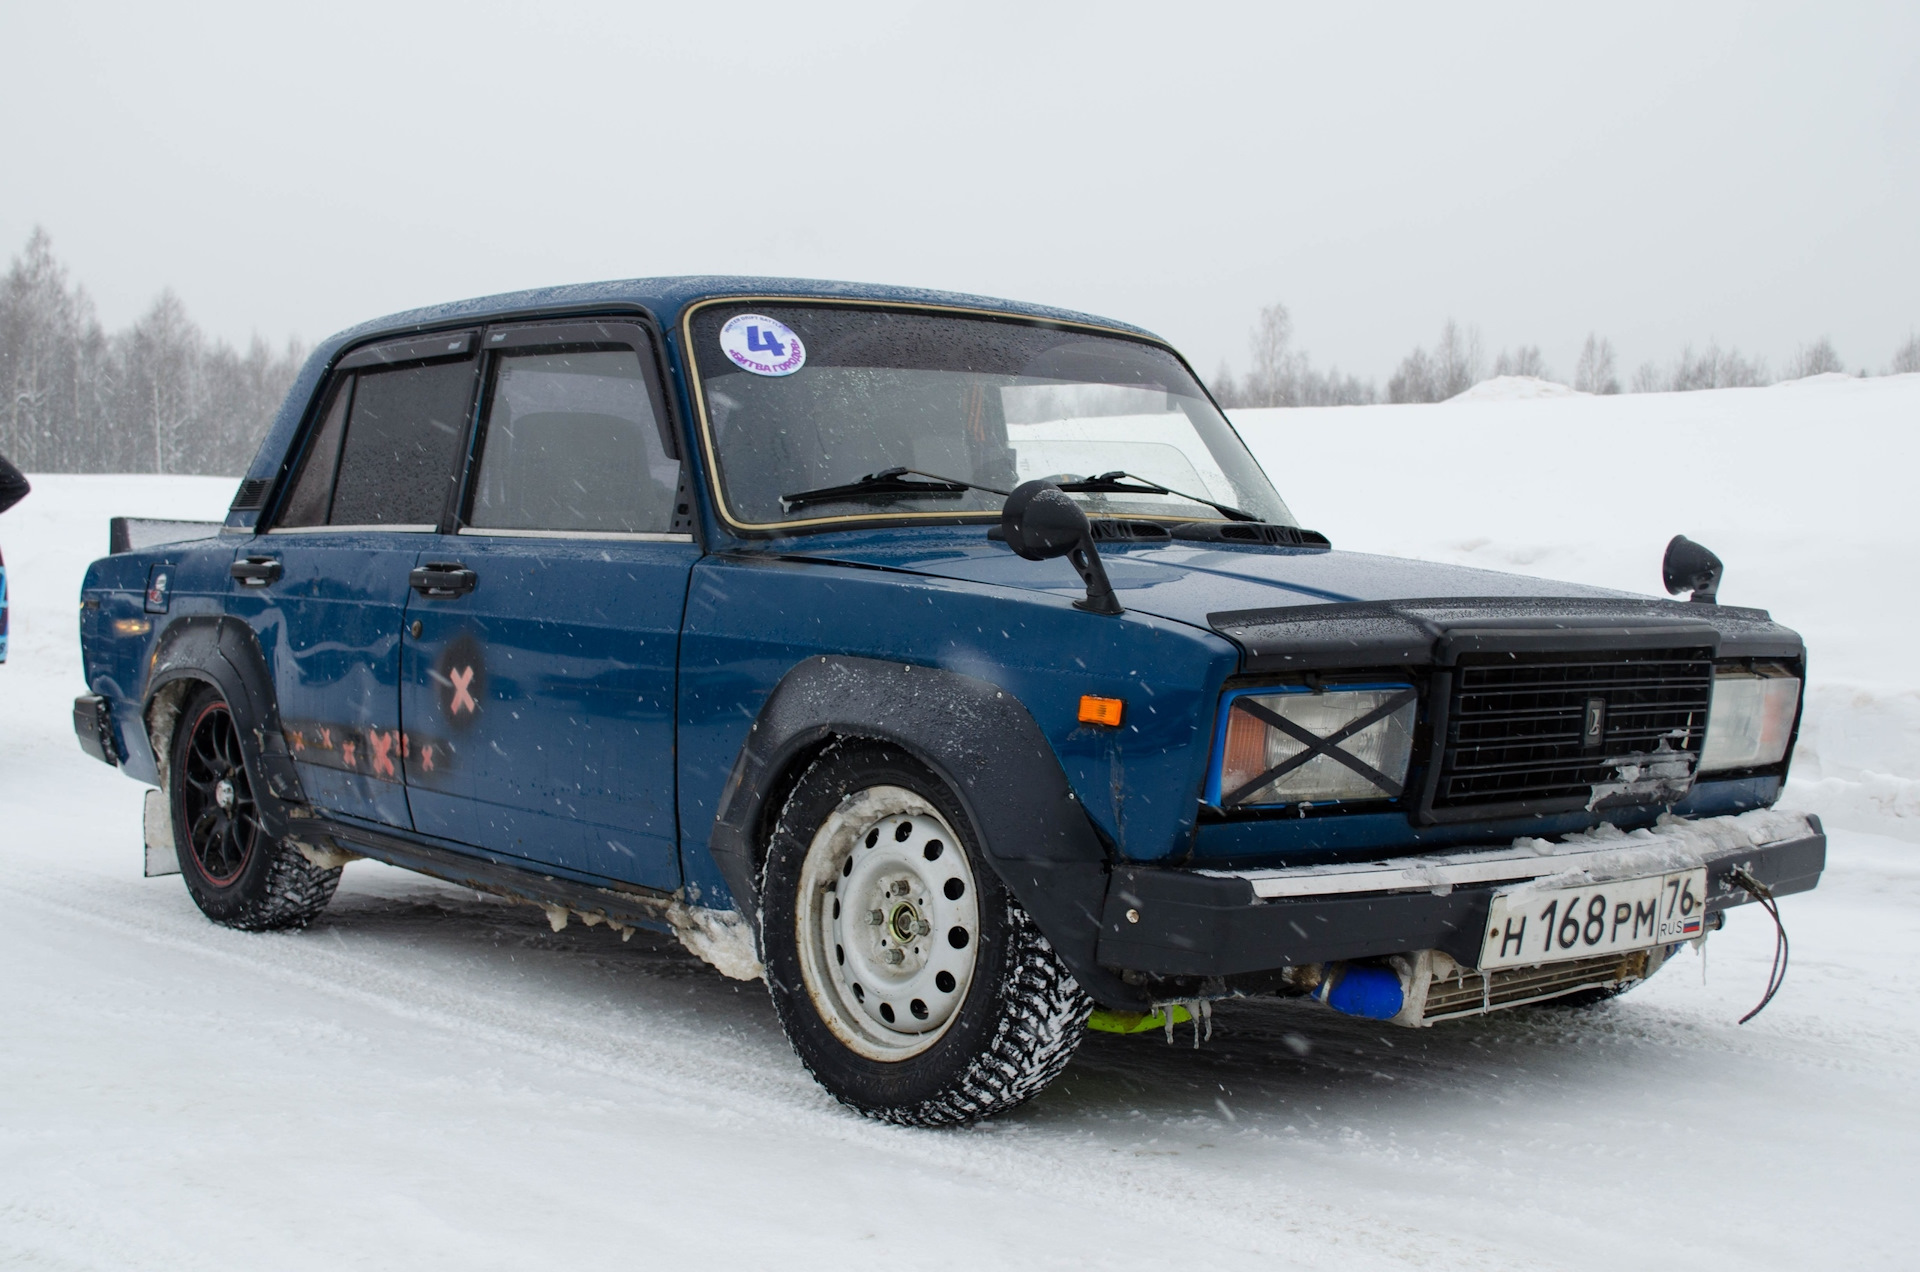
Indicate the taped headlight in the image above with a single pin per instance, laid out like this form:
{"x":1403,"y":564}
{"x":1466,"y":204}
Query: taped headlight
{"x":1751,"y":719}
{"x":1291,"y":746}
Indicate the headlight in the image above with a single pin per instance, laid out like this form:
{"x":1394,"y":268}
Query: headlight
{"x":1291,"y":745}
{"x":1751,"y":718}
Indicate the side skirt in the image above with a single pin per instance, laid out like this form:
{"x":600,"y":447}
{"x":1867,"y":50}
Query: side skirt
{"x":621,"y":905}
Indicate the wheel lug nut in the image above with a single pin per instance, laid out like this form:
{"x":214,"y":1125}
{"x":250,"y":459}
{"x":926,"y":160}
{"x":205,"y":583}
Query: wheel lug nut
{"x":921,"y":927}
{"x":894,"y":956}
{"x":875,"y":918}
{"x":901,"y":887}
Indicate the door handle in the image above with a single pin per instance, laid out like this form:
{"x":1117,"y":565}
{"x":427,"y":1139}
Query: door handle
{"x":255,"y":571}
{"x":442,"y":578}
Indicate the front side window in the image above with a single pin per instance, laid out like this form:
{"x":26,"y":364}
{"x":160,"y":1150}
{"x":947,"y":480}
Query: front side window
{"x":573,"y":443}
{"x":981,"y":400}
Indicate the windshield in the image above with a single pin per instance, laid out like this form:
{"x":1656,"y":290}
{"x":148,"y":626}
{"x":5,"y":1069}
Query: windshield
{"x":803,"y":398}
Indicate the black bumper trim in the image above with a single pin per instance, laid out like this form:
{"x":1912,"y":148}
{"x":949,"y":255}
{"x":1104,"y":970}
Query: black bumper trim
{"x":1190,"y":924}
{"x":93,"y":725}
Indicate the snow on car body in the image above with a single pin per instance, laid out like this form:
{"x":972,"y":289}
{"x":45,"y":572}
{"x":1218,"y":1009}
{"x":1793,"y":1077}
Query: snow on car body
{"x":702,"y":604}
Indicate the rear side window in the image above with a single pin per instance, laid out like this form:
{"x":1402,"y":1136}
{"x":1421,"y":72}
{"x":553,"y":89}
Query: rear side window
{"x":573,"y":442}
{"x":386,"y":451}
{"x":404,"y":434}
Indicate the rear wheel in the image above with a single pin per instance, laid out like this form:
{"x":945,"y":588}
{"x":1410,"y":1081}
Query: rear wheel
{"x":238,"y":875}
{"x":910,"y":982}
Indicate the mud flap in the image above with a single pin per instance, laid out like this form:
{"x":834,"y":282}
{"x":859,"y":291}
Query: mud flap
{"x":157,"y":822}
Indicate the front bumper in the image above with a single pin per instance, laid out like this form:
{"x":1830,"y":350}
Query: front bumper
{"x":1220,"y":923}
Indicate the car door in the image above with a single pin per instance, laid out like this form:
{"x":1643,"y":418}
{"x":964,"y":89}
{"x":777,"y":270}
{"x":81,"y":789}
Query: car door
{"x":542,"y":639}
{"x":326,"y":587}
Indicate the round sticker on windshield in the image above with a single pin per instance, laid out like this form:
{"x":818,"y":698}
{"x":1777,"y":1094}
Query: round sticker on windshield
{"x":762,"y":345}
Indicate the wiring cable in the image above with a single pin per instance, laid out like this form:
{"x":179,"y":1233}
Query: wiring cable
{"x":1764,"y":895}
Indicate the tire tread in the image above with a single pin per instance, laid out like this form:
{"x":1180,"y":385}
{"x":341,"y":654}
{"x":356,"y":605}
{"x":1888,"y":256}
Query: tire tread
{"x":1036,"y":1013}
{"x":293,"y":895}
{"x":1040,"y":1028}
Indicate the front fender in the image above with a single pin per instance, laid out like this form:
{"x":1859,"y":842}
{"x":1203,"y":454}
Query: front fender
{"x":977,"y":738}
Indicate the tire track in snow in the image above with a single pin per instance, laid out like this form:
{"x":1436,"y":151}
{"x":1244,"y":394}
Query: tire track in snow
{"x":689,"y":1071}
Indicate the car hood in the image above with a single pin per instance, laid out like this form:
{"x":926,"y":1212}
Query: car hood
{"x":1188,"y":581}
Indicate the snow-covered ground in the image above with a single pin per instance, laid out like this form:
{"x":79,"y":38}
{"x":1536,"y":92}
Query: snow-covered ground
{"x":429,"y":1079}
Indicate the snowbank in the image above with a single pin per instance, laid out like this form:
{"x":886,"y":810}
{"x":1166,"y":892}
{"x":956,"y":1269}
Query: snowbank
{"x":1514,"y":388}
{"x":1802,"y":488}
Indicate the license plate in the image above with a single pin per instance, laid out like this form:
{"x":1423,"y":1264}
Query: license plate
{"x":1528,"y":926}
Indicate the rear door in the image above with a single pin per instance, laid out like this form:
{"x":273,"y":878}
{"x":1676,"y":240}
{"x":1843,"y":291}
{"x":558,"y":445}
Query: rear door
{"x":538,"y":679}
{"x":326,"y":588}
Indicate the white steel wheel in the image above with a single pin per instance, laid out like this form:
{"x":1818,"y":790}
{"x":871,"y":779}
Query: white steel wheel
{"x":887,"y":923}
{"x":909,"y":980}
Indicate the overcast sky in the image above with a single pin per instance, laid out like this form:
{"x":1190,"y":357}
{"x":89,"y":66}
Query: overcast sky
{"x":1662,"y":174}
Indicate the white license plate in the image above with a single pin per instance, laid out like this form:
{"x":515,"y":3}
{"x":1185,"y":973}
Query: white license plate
{"x":1546,"y":925}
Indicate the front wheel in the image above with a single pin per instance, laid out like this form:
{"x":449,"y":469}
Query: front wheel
{"x":909,"y":981}
{"x":238,"y":874}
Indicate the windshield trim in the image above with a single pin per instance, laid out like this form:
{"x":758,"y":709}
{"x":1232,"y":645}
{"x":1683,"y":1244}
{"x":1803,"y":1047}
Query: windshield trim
{"x":948,"y":516}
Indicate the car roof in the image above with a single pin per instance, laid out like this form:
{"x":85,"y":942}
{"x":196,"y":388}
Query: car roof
{"x":665,"y":298}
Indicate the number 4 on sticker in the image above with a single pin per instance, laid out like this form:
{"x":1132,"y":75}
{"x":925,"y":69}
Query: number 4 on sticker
{"x":763,"y":342}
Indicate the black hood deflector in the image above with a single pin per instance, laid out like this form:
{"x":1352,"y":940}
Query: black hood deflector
{"x":1416,"y":633}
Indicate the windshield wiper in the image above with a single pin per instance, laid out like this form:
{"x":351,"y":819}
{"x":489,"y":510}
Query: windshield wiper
{"x":888,"y":483}
{"x":1110,"y":483}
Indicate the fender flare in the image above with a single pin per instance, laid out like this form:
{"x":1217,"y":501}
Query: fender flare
{"x":224,"y":652}
{"x":978,"y":739}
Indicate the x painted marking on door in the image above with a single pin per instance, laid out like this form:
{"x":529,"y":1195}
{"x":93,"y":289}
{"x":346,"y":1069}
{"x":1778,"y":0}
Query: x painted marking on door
{"x":462,"y":678}
{"x":382,"y":752}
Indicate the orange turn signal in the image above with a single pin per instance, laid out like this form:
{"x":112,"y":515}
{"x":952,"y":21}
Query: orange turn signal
{"x":1100,"y":711}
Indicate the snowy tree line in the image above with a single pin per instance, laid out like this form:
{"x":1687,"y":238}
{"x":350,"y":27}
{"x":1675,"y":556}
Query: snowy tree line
{"x":159,"y":396}
{"x":156,"y":396}
{"x":1282,"y":375}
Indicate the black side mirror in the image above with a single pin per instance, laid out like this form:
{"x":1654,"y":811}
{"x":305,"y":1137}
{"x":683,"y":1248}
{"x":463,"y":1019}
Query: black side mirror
{"x":1041,"y":523}
{"x":1690,"y":567}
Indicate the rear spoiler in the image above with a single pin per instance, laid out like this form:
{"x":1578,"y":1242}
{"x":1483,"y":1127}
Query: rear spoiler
{"x":127,"y":534}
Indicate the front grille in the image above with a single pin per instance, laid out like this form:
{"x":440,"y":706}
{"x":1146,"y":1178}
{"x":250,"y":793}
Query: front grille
{"x":1517,"y":725}
{"x":1468,"y":992}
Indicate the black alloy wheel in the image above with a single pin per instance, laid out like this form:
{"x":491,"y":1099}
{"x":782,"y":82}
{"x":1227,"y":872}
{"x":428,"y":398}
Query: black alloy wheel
{"x":237,"y":872}
{"x":221,"y":820}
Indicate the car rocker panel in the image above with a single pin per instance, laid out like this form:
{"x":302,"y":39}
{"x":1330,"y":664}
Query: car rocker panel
{"x":632,"y":600}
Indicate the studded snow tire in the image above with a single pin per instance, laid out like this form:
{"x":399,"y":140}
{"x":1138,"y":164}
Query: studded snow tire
{"x":238,"y":875}
{"x":1020,"y":1014}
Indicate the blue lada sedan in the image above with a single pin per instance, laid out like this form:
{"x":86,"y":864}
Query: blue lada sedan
{"x":948,"y":662}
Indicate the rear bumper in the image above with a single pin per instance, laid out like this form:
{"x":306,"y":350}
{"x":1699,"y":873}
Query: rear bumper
{"x":1227,"y":923}
{"x":93,"y":725}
